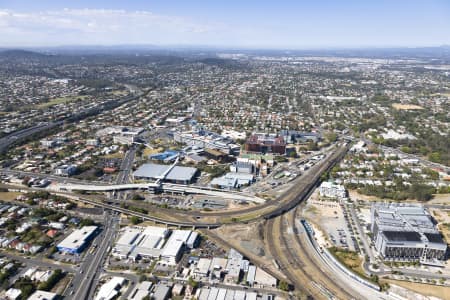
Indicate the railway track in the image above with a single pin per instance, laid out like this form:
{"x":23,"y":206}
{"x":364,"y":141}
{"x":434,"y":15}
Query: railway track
{"x":284,"y":244}
{"x":298,"y":266}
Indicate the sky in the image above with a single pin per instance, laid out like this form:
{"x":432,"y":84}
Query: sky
{"x":281,"y":24}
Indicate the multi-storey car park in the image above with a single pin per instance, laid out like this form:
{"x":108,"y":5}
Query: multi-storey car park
{"x":406,"y":232}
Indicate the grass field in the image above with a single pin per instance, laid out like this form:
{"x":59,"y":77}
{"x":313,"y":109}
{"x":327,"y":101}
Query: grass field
{"x":114,"y":155}
{"x":401,"y":106}
{"x":60,"y":100}
{"x":8,"y":196}
{"x":147,"y":151}
{"x":350,"y":259}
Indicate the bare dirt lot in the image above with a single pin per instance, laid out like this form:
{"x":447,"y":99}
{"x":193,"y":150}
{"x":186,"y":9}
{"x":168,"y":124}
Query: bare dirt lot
{"x":249,"y":236}
{"x":329,"y":217}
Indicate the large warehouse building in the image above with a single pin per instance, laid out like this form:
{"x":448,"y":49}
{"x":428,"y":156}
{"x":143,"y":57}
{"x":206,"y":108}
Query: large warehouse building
{"x":151,"y":242}
{"x":181,"y":175}
{"x":77,"y":240}
{"x":406,"y":232}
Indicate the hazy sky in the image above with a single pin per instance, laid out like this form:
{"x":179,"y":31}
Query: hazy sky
{"x":230,"y":23}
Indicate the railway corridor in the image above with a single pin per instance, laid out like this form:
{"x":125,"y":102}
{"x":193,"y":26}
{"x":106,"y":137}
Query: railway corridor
{"x":304,"y":272}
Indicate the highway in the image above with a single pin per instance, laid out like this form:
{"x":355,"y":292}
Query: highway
{"x":166,"y":187}
{"x":23,"y":134}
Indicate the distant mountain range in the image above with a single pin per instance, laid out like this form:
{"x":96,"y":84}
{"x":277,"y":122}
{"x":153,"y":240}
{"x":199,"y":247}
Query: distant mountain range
{"x":440,"y":53}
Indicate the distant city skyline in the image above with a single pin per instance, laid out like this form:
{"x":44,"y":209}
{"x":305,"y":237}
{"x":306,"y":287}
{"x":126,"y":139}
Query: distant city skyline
{"x":239,"y":24}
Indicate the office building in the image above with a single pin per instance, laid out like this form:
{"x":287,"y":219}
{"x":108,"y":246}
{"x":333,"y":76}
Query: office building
{"x":266,"y":143}
{"x":406,"y":232}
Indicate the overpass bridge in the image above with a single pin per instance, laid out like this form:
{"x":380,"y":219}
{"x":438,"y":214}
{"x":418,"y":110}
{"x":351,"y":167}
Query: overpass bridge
{"x":163,"y":187}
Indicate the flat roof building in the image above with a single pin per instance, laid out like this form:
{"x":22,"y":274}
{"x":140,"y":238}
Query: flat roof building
{"x":110,"y":289}
{"x":174,"y":246}
{"x":135,"y":242}
{"x":77,"y":240}
{"x":406,"y":232}
{"x":161,"y":292}
{"x":266,"y":143}
{"x":181,"y":175}
{"x":42,"y":295}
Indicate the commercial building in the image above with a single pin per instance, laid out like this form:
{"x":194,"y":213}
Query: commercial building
{"x":206,"y":139}
{"x":13,"y":294}
{"x":121,"y":134}
{"x":331,"y":190}
{"x":110,"y":289}
{"x":235,"y":264}
{"x":142,"y":290}
{"x":42,"y":295}
{"x":242,"y":167}
{"x":175,"y":245}
{"x":77,"y":240}
{"x":161,"y":292}
{"x":266,"y":143}
{"x":140,"y":242}
{"x":206,"y":293}
{"x":150,"y":242}
{"x":166,"y":156}
{"x":406,"y":232}
{"x":233,"y":180}
{"x":293,"y":136}
{"x":202,"y":268}
{"x":180,"y":175}
{"x":65,"y":170}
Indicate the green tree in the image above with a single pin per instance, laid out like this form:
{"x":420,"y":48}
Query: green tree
{"x":192,"y":282}
{"x":283,"y":285}
{"x":135,"y":220}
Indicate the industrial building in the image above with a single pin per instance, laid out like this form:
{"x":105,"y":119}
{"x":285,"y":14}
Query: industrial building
{"x":176,"y":174}
{"x":77,"y":240}
{"x":136,"y":242}
{"x":110,"y":289}
{"x":175,"y":245}
{"x":406,"y":232}
{"x":266,"y":143}
{"x":150,"y":242}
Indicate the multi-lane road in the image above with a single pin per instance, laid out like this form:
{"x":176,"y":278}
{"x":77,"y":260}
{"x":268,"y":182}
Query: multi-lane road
{"x":23,"y":134}
{"x":84,"y":283}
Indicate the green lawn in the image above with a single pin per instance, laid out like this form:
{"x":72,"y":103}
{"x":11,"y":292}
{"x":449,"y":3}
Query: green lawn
{"x":60,"y":100}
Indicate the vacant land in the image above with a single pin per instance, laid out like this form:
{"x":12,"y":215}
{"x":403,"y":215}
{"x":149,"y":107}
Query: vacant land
{"x":422,"y":288}
{"x":401,"y":106}
{"x":60,"y":100}
{"x":148,"y":151}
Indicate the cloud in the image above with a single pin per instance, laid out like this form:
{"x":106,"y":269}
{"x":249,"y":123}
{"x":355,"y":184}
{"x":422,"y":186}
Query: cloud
{"x":100,"y":26}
